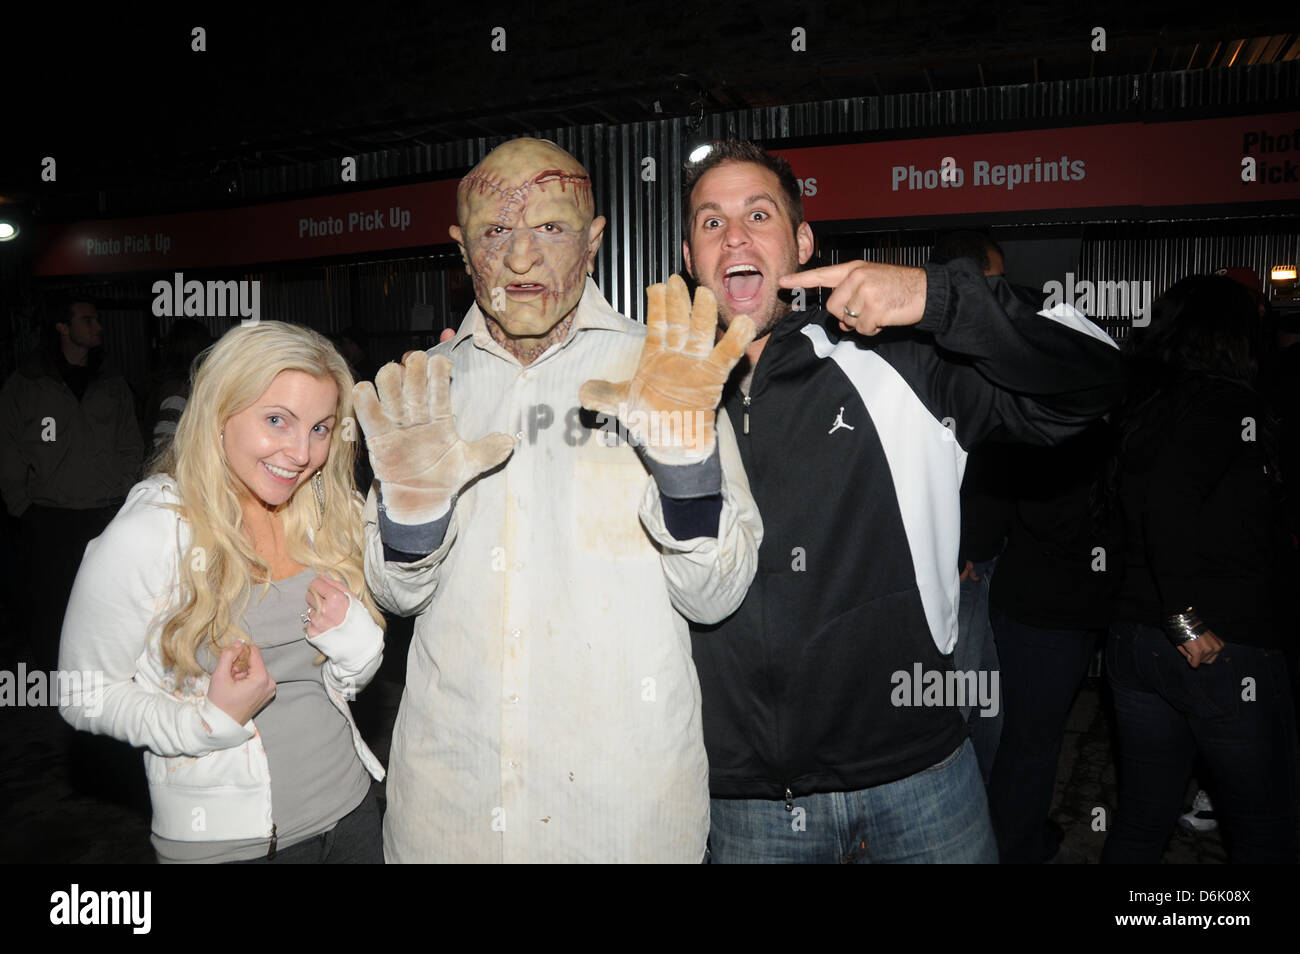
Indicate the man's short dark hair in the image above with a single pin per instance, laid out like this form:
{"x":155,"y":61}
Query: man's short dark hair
{"x":739,"y":150}
{"x":56,"y":309}
{"x":59,"y":307}
{"x":973,"y":245}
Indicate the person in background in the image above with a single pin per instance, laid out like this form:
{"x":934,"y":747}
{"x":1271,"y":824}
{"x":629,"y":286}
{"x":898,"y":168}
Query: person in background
{"x":70,"y":449}
{"x":351,"y":343}
{"x":1049,"y":605}
{"x":1196,"y":656}
{"x":186,"y":339}
{"x":985,"y":516}
{"x":1279,"y":382}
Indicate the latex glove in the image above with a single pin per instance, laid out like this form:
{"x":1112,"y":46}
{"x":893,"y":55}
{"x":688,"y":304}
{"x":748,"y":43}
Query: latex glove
{"x":415,"y":452}
{"x":668,"y":407}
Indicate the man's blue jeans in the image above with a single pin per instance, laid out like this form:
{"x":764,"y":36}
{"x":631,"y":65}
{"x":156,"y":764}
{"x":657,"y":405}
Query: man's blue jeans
{"x":938,"y":815}
{"x":1236,"y":712}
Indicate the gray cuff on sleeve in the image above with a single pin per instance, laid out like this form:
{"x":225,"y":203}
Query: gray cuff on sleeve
{"x":421,"y":538}
{"x":687,"y":481}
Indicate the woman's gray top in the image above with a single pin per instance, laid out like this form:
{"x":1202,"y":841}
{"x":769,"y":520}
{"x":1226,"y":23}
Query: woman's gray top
{"x":316,"y":775}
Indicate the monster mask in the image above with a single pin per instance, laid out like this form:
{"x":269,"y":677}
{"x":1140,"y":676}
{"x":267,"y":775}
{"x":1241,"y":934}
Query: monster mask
{"x":527,"y":235}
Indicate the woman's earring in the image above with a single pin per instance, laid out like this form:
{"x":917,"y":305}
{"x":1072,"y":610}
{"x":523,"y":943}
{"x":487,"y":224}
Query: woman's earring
{"x":318,"y":485}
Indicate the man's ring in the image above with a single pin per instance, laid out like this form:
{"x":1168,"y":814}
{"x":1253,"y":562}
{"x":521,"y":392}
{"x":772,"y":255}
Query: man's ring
{"x":850,"y":312}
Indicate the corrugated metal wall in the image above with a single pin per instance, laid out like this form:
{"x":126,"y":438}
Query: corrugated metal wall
{"x":1136,"y":252}
{"x":1147,"y":255}
{"x":641,"y":201}
{"x":644,"y":236}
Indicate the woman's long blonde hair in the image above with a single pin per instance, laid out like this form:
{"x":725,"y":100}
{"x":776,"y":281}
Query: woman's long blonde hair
{"x":217,"y":573}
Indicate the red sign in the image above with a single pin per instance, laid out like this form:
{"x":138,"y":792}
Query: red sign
{"x":1199,"y":162}
{"x":369,"y":221}
{"x":1238,"y":160}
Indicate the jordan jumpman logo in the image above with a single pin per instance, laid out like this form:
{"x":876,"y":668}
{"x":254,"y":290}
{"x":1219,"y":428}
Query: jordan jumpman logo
{"x":839,"y":422}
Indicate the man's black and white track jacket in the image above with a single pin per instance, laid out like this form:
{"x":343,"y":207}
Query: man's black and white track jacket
{"x":855,"y":448}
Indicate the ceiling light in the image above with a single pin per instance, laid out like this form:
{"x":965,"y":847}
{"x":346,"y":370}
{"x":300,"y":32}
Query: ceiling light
{"x":699,"y":152}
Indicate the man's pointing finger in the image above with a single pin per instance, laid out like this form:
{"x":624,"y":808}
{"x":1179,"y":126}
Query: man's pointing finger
{"x":828,"y":276}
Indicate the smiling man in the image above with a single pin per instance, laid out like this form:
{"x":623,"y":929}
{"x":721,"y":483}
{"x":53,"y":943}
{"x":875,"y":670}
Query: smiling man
{"x":853,"y":423}
{"x":551,"y":710}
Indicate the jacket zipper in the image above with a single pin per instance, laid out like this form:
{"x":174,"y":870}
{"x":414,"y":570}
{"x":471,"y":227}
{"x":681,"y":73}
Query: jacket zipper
{"x":745,"y":420}
{"x":789,"y":799}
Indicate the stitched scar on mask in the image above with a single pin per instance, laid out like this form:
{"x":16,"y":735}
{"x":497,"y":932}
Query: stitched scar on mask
{"x":513,"y":197}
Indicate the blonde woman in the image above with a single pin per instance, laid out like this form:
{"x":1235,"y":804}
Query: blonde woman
{"x":226,"y":610}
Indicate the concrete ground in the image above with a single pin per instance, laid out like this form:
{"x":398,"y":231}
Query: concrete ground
{"x":66,"y":797}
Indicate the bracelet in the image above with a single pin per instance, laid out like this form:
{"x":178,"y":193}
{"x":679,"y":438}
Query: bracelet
{"x":1184,"y":627}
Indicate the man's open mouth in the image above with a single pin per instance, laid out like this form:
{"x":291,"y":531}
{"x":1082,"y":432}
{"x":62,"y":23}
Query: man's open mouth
{"x":742,"y":282}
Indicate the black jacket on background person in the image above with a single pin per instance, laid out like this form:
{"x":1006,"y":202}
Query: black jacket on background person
{"x":854,"y":447}
{"x":986,"y":507}
{"x":68,"y":435}
{"x":1202,"y":502}
{"x":1064,"y":552}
